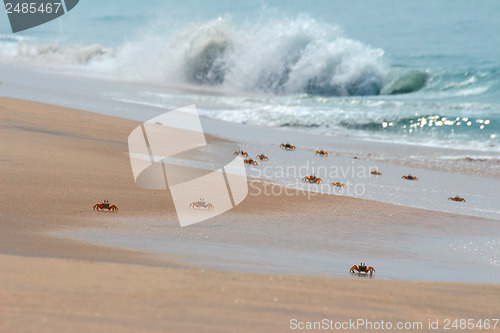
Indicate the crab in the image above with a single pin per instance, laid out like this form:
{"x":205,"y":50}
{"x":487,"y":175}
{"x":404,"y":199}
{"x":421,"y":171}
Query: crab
{"x":105,"y":205}
{"x":262,"y":157}
{"x":312,"y":179}
{"x":409,"y":177}
{"x":321,"y":153}
{"x":338,"y":184}
{"x":362,"y":269}
{"x":457,"y":198}
{"x":251,"y":162}
{"x":375,"y":172}
{"x":201,"y":205}
{"x":287,"y":146}
{"x":241,"y":152}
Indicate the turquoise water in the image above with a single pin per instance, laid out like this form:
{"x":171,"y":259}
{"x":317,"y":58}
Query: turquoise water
{"x":426,"y":73}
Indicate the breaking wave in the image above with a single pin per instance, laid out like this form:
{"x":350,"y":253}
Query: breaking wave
{"x":277,"y":57}
{"x":293,"y":56}
{"x":290,"y":57}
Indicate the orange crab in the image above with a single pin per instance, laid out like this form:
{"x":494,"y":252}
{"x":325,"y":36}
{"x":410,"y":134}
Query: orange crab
{"x":409,"y":177}
{"x":338,"y":184}
{"x":362,"y":269}
{"x":287,"y":146}
{"x":251,"y":162}
{"x":262,"y":157}
{"x":312,"y":179}
{"x":457,"y":198}
{"x":241,"y":152}
{"x":321,"y":153}
{"x":375,"y":172}
{"x":201,"y":205}
{"x":105,"y":205}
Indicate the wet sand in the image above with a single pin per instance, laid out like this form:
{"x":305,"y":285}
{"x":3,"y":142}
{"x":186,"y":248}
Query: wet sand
{"x":56,"y":163}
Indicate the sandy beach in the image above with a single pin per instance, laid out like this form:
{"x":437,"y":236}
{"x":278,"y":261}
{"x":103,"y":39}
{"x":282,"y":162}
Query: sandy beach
{"x":56,"y":163}
{"x":215,"y":166}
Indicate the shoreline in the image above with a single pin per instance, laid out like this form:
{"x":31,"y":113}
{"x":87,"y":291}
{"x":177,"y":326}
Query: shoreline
{"x":474,"y":180}
{"x":102,"y":95}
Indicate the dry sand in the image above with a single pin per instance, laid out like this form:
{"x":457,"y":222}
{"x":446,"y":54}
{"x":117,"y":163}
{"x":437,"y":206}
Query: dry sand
{"x":56,"y":163}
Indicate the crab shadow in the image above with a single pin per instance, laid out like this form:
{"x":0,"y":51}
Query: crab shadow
{"x":362,"y":275}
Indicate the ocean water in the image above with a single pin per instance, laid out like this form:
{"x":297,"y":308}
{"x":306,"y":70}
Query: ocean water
{"x":426,"y":73}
